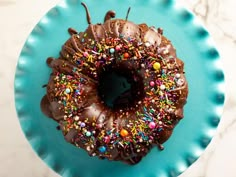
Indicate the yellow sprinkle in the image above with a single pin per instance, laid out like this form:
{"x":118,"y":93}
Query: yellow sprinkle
{"x":156,"y":66}
{"x":141,"y":128}
{"x":67,"y":96}
{"x":134,"y":131}
{"x":90,"y":58}
{"x":71,"y":89}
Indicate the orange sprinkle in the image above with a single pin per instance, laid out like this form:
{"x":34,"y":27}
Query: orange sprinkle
{"x":124,"y":132}
{"x":126,"y":55}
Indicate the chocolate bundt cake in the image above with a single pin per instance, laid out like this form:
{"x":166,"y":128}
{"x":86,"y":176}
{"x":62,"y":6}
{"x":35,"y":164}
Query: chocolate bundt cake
{"x":117,"y":89}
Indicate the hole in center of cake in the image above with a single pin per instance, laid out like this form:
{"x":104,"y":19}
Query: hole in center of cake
{"x":120,"y":87}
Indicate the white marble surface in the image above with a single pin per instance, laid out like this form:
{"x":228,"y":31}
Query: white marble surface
{"x":18,"y":17}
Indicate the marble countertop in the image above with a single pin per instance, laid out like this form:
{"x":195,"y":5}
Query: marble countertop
{"x":17,"y":19}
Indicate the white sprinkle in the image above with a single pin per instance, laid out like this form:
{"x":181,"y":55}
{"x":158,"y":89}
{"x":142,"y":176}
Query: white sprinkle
{"x":166,"y":51}
{"x":121,"y":144}
{"x":88,"y":148}
{"x":140,"y":43}
{"x":154,"y":29}
{"x":180,"y":82}
{"x":177,"y":75}
{"x":162,"y":87}
{"x":95,"y":52}
{"x":166,"y":97}
{"x":168,"y":46}
{"x":76,"y":118}
{"x":147,"y":44}
{"x":170,"y":110}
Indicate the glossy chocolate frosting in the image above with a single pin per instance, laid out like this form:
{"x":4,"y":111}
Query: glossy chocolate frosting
{"x":143,"y":116}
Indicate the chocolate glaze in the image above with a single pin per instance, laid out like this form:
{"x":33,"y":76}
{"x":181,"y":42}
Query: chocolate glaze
{"x":72,"y":98}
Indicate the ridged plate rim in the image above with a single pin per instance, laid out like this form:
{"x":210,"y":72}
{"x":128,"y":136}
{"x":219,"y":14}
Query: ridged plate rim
{"x":211,"y":54}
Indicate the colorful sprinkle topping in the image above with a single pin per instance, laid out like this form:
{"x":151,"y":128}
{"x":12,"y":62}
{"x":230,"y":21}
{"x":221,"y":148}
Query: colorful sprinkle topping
{"x":137,"y":127}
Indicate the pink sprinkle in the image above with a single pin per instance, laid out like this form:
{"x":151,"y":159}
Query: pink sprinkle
{"x":85,"y":54}
{"x":99,"y":125}
{"x":157,"y":82}
{"x":117,"y":47}
{"x":152,"y":83}
{"x":152,"y":125}
{"x":106,"y":139}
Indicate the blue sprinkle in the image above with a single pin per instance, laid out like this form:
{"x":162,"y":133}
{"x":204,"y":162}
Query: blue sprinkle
{"x":77,"y":92}
{"x":88,"y":133}
{"x":67,"y":90}
{"x":144,"y":118}
{"x":109,"y":132}
{"x":115,"y":142}
{"x":82,"y":80}
{"x":74,"y":69}
{"x":112,"y":50}
{"x":148,"y":116}
{"x":82,"y":124}
{"x":102,"y":149}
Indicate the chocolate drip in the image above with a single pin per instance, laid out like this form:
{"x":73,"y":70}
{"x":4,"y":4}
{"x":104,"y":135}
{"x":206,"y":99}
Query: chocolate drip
{"x":45,"y":106}
{"x":75,"y":45}
{"x":127,"y":15}
{"x":109,"y":15}
{"x":87,"y":13}
{"x":72,"y":31}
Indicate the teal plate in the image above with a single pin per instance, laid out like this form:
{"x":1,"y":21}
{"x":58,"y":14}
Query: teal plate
{"x":203,"y":71}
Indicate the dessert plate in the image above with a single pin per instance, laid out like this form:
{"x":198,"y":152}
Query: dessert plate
{"x":203,"y":71}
